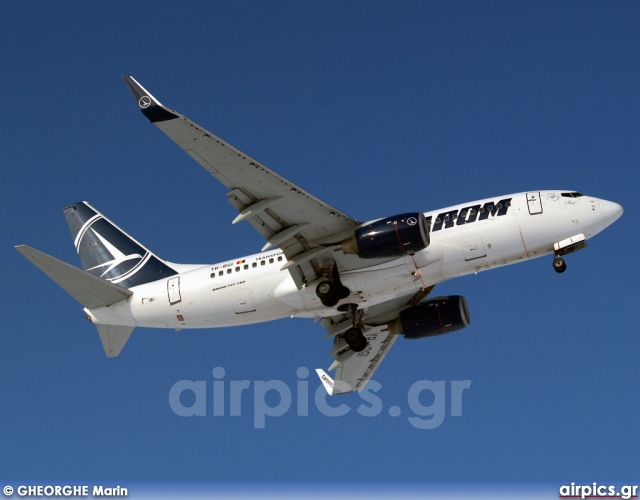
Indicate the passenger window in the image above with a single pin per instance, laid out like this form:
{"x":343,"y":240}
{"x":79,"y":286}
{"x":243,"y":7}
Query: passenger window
{"x":246,"y":266}
{"x":237,"y":268}
{"x":220,"y":273}
{"x":254,"y":264}
{"x":280,"y":258}
{"x":213,"y":275}
{"x":270,"y":261}
{"x":263,"y":262}
{"x":229,"y":271}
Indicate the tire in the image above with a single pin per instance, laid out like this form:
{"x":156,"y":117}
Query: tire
{"x":355,"y":339}
{"x":559,"y":265}
{"x":325,"y":290}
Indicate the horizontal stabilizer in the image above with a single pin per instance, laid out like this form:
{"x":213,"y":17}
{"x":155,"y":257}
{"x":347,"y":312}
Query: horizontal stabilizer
{"x":114,"y":338}
{"x":86,"y":288}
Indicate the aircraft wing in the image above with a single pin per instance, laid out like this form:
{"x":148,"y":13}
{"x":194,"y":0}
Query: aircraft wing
{"x":288,"y":217}
{"x":353,"y":370}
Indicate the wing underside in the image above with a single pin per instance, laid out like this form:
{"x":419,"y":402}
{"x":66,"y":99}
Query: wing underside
{"x":286,"y":215}
{"x":353,"y":370}
{"x":292,"y":219}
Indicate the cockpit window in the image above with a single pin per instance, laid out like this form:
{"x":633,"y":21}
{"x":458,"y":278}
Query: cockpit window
{"x":573,"y":194}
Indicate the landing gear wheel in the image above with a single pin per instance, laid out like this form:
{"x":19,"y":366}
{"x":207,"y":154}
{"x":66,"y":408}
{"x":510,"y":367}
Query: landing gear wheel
{"x":355,"y":339}
{"x":559,"y":265}
{"x":324,"y":290}
{"x":327,"y":293}
{"x":330,"y":294}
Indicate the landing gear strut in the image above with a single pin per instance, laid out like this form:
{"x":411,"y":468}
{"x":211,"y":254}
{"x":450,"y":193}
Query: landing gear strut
{"x":568,"y":245}
{"x":354,"y":337}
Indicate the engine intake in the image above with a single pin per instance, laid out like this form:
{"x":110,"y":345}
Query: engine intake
{"x":433,"y":317}
{"x":391,"y":237}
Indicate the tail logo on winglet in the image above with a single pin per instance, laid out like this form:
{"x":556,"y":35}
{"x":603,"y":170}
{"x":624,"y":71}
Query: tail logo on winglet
{"x":144,"y":102}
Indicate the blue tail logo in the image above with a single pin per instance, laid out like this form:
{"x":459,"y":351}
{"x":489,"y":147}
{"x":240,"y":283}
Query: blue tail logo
{"x":107,"y":252}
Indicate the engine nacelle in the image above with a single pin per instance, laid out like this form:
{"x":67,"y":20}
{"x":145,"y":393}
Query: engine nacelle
{"x":432,"y":317}
{"x":391,"y":237}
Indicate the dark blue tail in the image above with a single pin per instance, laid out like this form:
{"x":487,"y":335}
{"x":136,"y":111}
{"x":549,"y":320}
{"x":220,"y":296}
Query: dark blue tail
{"x":108,"y":252}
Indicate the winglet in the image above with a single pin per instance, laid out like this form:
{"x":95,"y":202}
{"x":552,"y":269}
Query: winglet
{"x":149,"y":105}
{"x":326,"y":380}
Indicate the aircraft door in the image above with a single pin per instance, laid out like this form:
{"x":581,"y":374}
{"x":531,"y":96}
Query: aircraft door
{"x":173,"y":290}
{"x":242,"y":301}
{"x":534,"y":203}
{"x":472,"y":247}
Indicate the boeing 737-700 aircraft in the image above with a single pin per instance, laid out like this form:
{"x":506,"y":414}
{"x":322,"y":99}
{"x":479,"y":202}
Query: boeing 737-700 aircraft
{"x":367,"y":282}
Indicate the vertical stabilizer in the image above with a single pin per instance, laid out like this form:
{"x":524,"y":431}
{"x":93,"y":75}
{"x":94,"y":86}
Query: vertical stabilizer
{"x":107,"y":252}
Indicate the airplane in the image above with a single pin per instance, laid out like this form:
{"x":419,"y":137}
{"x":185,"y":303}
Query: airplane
{"x":367,"y":283}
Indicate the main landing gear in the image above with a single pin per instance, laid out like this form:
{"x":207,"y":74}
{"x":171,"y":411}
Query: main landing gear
{"x":331,"y":291}
{"x":354,"y":337}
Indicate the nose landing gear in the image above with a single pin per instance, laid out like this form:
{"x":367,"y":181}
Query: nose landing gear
{"x":559,"y":265}
{"x":569,"y":245}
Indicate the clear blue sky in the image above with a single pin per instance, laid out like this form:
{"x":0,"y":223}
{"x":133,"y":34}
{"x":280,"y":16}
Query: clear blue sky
{"x":377,"y":108}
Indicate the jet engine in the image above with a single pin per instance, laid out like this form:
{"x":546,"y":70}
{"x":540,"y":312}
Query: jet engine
{"x":432,"y":317}
{"x":391,"y":237}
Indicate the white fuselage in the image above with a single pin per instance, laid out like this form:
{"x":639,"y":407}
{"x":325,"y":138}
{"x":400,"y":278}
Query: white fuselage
{"x":254,"y":289}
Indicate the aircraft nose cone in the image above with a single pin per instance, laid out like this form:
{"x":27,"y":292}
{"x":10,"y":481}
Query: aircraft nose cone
{"x":610,"y":212}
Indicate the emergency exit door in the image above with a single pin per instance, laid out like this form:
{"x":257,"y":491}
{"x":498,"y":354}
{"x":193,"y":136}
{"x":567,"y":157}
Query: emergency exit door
{"x":242,"y":301}
{"x":534,"y":203}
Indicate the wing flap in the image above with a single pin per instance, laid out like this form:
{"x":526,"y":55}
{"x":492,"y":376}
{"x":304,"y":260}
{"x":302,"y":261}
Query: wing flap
{"x":236,"y":170}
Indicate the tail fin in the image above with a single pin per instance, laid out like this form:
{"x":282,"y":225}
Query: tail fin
{"x":107,"y":252}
